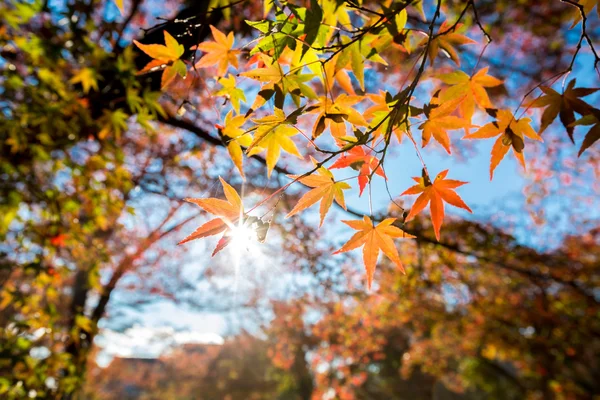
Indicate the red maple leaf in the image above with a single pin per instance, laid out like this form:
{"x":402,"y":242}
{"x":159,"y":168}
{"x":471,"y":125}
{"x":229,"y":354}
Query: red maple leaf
{"x":364,"y":163}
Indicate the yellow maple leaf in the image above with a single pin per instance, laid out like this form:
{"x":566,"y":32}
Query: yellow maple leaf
{"x":379,"y":113}
{"x":336,"y":72}
{"x":231,"y":92}
{"x":234,"y":138}
{"x":271,"y":73}
{"x":325,"y":189}
{"x":119,"y":4}
{"x":164,"y":56}
{"x":336,"y":12}
{"x":511,"y":132}
{"x":470,"y":89}
{"x":87,"y":78}
{"x":273,"y":77}
{"x":166,"y":53}
{"x":273,"y":134}
{"x":334,"y":114}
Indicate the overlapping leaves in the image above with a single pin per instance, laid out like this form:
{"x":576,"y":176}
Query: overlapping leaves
{"x":316,"y":54}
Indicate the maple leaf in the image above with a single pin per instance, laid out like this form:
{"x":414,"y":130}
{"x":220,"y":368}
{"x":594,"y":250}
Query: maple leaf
{"x":593,"y":134}
{"x":353,"y":49}
{"x":273,"y":133}
{"x":439,"y":121}
{"x":267,"y":6}
{"x":325,"y":189}
{"x":280,"y":35}
{"x":164,"y":56}
{"x":87,"y":78}
{"x":223,"y":6}
{"x":354,"y":54}
{"x":119,"y":4}
{"x":218,"y":52}
{"x":435,"y":194}
{"x":334,"y":114}
{"x":231,"y":92}
{"x":396,"y":30}
{"x":170,"y":51}
{"x":234,"y":137}
{"x":229,"y":212}
{"x":270,"y":73}
{"x":447,"y":39}
{"x":565,"y":105}
{"x":304,"y":56}
{"x":383,"y":105}
{"x":336,"y":12}
{"x":470,"y":88}
{"x":365,"y":164}
{"x":276,"y":81}
{"x":336,"y":72}
{"x":374,"y":239}
{"x":588,"y":6}
{"x":512,"y":134}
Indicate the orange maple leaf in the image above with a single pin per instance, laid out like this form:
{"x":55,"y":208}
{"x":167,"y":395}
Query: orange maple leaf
{"x":512,"y":134}
{"x":435,"y":194}
{"x":439,"y":121}
{"x":229,"y":212}
{"x":219,"y":52}
{"x":364,"y":163}
{"x":164,"y":56}
{"x":374,"y":239}
{"x":470,"y":88}
{"x":325,"y":188}
{"x":334,"y":114}
{"x":447,"y":39}
{"x":334,"y":71}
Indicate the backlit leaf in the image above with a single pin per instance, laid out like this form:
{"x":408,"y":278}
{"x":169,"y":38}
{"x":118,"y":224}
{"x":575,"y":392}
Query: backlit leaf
{"x":374,"y":238}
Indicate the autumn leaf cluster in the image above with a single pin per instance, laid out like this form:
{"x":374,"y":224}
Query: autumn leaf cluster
{"x":308,"y":67}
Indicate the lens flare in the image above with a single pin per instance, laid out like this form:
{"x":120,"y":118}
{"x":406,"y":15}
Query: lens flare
{"x":243,"y":237}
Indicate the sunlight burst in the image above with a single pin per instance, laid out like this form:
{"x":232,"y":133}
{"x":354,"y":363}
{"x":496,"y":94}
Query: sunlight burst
{"x":243,"y":237}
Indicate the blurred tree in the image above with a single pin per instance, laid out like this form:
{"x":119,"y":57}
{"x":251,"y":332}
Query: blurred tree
{"x":479,"y":313}
{"x":506,"y":322}
{"x":238,"y":369}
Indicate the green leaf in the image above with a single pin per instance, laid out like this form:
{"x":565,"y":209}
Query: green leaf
{"x":263,"y":26}
{"x":357,"y":63}
{"x":180,"y":67}
{"x":312,"y":23}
